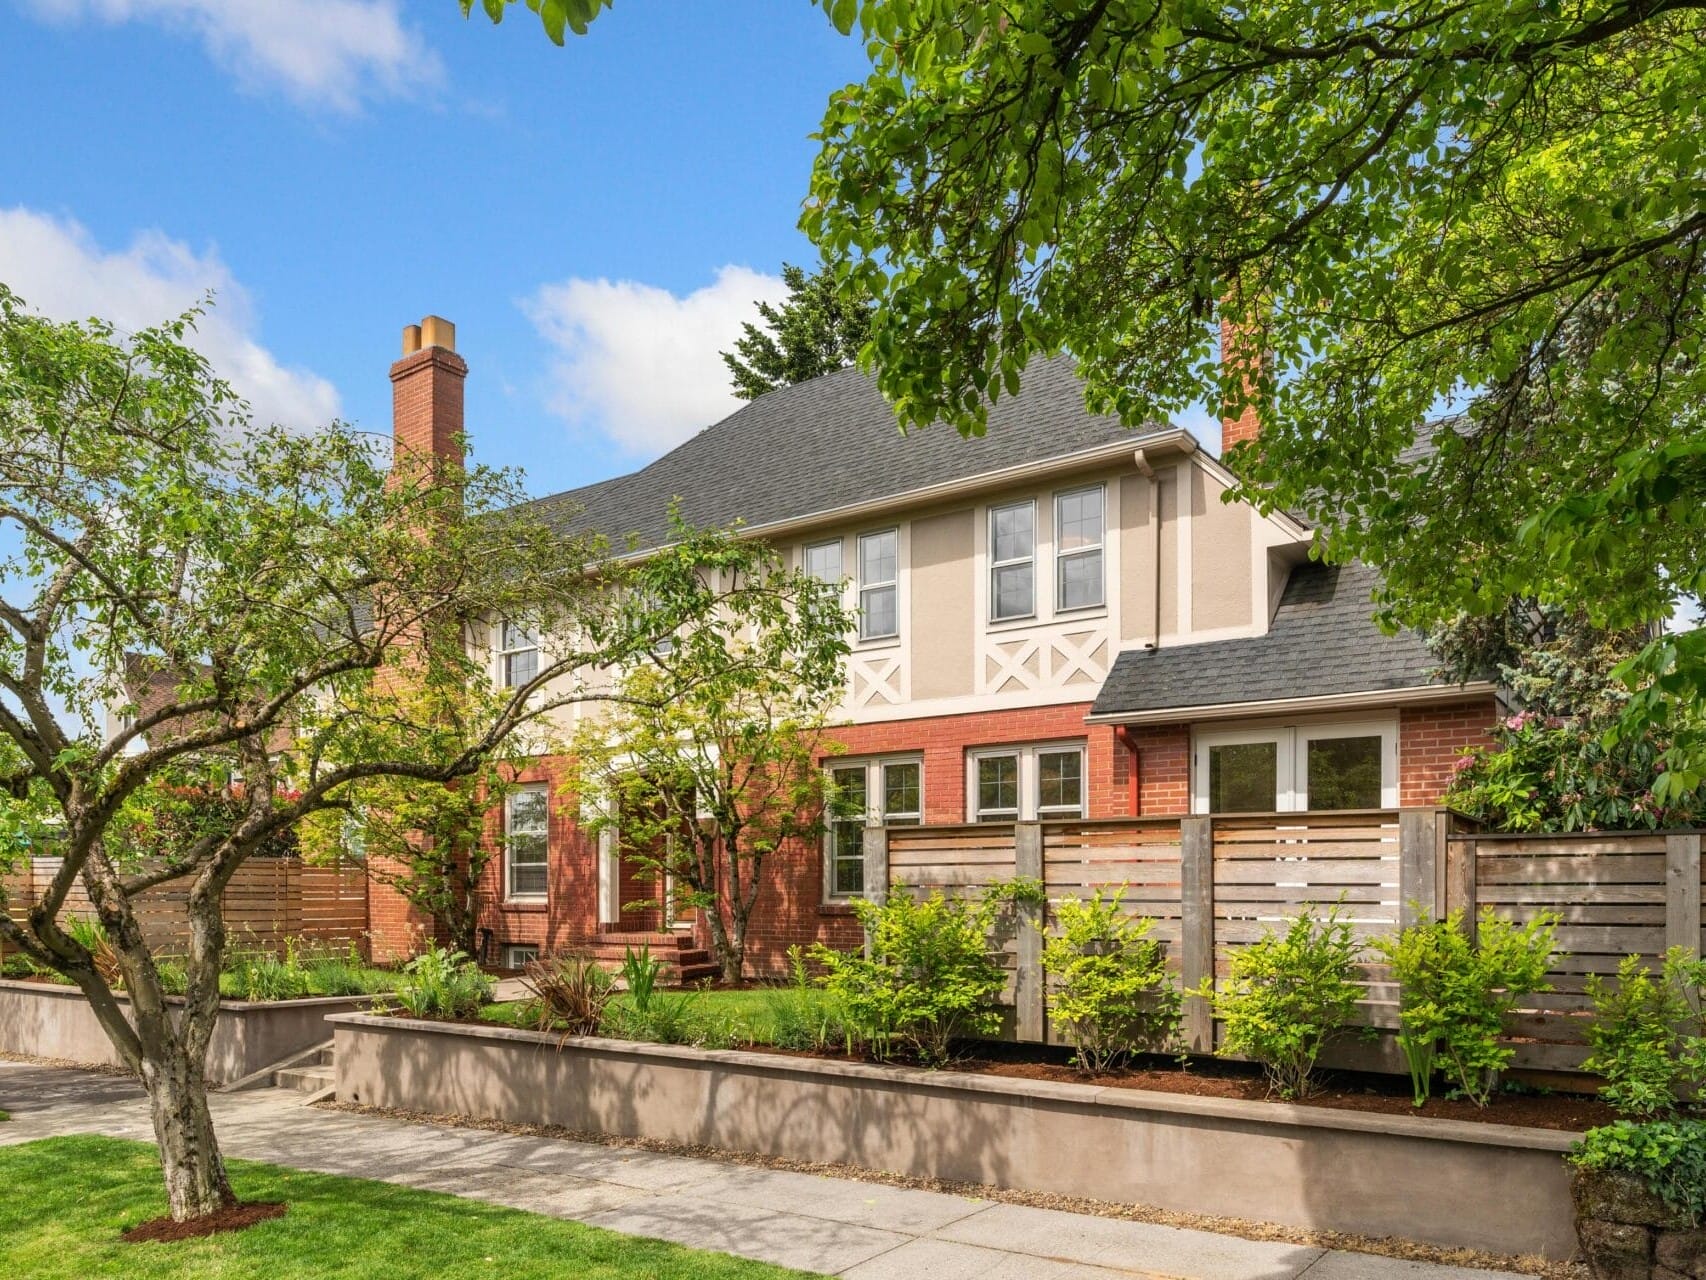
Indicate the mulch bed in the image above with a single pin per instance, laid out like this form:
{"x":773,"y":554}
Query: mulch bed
{"x":234,"y":1218}
{"x":1343,"y":1091}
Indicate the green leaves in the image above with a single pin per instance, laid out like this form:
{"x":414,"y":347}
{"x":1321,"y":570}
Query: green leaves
{"x":556,"y":16}
{"x":1112,"y":994}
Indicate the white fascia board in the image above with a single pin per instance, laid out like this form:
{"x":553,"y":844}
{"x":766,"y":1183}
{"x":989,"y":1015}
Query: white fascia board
{"x":1415,"y":694}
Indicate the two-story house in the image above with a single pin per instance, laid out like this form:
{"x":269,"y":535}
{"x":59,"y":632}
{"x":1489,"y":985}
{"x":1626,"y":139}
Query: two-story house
{"x":1062,"y":619}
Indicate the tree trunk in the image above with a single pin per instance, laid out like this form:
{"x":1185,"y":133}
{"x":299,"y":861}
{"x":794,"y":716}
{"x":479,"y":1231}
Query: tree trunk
{"x":196,"y":1182}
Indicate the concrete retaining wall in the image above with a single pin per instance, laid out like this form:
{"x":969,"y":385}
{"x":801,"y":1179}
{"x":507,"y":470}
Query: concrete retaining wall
{"x":43,"y":1020}
{"x":1449,"y":1183}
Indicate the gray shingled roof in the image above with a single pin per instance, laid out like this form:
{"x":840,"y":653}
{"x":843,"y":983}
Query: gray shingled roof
{"x":825,"y":444}
{"x":1323,"y":642}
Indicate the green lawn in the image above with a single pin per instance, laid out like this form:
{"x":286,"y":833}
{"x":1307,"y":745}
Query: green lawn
{"x":737,"y":1017}
{"x":73,"y":1196}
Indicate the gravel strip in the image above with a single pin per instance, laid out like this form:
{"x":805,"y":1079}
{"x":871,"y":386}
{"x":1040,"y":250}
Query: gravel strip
{"x":1385,"y":1246}
{"x":66,"y":1064}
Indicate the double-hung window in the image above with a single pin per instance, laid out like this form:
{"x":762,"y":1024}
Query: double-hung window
{"x":1078,"y":534}
{"x":1020,"y":784}
{"x":823,"y":561}
{"x":1012,"y":561}
{"x":889,"y":791}
{"x":527,"y":841}
{"x":1291,"y":768}
{"x":518,"y":655}
{"x":879,"y":578}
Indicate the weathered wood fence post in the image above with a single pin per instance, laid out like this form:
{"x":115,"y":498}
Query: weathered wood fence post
{"x":1029,"y":997}
{"x":1682,"y":891}
{"x":1418,"y":871}
{"x":1196,"y":924}
{"x":875,"y":846}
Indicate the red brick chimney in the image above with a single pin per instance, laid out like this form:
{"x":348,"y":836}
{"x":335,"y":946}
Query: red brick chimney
{"x":426,"y":398}
{"x":1236,"y":343}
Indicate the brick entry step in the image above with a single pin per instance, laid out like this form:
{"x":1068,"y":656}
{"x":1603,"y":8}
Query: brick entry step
{"x":684,"y":963}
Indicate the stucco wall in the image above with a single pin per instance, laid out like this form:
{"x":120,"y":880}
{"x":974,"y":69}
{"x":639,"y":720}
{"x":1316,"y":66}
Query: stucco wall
{"x":47,"y":1021}
{"x":943,"y":612}
{"x":1221,"y":557}
{"x":1444,"y":1182}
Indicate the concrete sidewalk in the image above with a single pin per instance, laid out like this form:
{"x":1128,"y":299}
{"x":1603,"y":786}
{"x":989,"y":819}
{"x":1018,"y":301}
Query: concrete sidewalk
{"x":861,"y":1230}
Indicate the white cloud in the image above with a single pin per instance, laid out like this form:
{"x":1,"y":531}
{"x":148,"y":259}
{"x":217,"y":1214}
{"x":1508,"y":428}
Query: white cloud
{"x":331,"y":54}
{"x":57,"y":268}
{"x":640,"y":365}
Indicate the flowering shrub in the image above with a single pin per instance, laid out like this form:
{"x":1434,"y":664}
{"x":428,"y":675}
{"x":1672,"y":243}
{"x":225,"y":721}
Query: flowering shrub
{"x":1547,"y":773}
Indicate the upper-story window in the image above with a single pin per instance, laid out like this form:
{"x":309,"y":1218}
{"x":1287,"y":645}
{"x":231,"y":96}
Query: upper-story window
{"x":1078,"y":533}
{"x":1020,"y":784}
{"x":518,"y":655}
{"x":1012,"y":561}
{"x":823,"y":561}
{"x":879,"y":576}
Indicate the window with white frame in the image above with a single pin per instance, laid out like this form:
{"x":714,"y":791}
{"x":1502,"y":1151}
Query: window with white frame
{"x":518,"y":655}
{"x":879,"y":590}
{"x":1012,"y":561}
{"x":890,"y":791}
{"x":1320,"y":766}
{"x":1078,"y":533}
{"x":519,"y":955}
{"x":1022,"y":784}
{"x":527,"y":841}
{"x":822,"y":561}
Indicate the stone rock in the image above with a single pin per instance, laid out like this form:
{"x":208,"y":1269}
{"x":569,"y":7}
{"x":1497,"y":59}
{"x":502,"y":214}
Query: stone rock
{"x":1683,"y":1252}
{"x":1616,"y":1250}
{"x":1665,"y":1273}
{"x":1613,"y":1196}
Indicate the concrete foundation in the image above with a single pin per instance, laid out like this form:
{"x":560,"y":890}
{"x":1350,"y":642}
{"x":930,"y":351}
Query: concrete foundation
{"x":1450,"y":1183}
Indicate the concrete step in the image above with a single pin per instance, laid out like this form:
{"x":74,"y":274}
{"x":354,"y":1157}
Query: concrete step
{"x":308,"y":1079}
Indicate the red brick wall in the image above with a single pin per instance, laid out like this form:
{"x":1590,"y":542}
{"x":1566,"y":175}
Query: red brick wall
{"x":1164,"y":768}
{"x":395,"y":929}
{"x":1430,"y":741}
{"x":427,"y":404}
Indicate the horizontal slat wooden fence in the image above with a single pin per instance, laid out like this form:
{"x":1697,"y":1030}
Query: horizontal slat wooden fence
{"x":268,"y":901}
{"x":1214,"y":885}
{"x":1616,"y":895}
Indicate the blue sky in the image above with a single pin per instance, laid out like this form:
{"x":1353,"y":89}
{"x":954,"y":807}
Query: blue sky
{"x":595,"y":219}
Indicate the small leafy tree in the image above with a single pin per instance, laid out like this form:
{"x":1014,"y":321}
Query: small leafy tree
{"x":814,"y":332}
{"x":929,"y":979}
{"x":1289,"y":995}
{"x":1458,"y":990}
{"x":278,"y":584}
{"x":1113,"y":995}
{"x":1648,"y":1032}
{"x":428,"y":839}
{"x":707,"y":760}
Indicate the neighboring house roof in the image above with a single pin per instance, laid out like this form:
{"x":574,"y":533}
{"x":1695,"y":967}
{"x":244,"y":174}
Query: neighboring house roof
{"x":829,"y":443}
{"x":1323,"y":643}
{"x":153,"y":687}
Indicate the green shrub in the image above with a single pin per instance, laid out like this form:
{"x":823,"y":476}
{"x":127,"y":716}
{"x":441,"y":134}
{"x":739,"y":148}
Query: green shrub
{"x":1113,"y":995}
{"x":929,"y":979}
{"x":262,"y":975}
{"x":440,"y":983}
{"x":1668,"y":1155}
{"x":640,"y":970}
{"x":1456,"y":994}
{"x":570,"y":994}
{"x":1288,"y":996}
{"x":1648,"y":1033}
{"x":803,"y":1018}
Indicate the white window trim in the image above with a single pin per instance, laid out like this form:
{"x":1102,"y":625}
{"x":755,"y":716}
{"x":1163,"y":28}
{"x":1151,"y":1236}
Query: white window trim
{"x":504,"y":653}
{"x":509,"y":850}
{"x":1292,"y":755}
{"x":1061,"y":556}
{"x":1030,"y":787}
{"x":510,"y":948}
{"x":892,"y":584}
{"x":996,"y":565}
{"x":875,"y":798}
